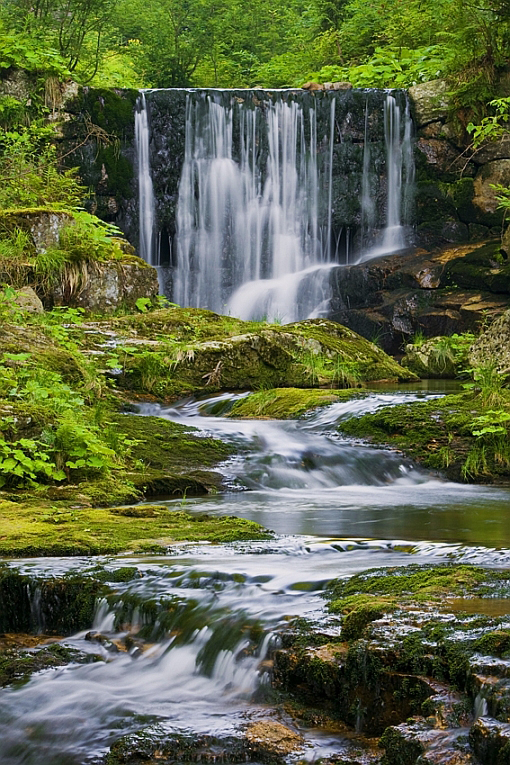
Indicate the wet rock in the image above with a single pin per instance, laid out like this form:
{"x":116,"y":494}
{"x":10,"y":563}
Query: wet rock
{"x":417,"y":743}
{"x":443,"y":158}
{"x":490,"y":741}
{"x":393,"y":297}
{"x":430,"y":101}
{"x":268,"y":739}
{"x":28,"y":301}
{"x":166,"y":747}
{"x":18,"y":664}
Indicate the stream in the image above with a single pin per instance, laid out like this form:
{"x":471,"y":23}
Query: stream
{"x":337,"y":507}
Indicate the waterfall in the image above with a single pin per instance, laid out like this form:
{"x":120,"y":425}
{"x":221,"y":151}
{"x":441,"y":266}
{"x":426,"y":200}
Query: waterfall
{"x":145,"y":190}
{"x":261,"y":193}
{"x":251,"y":222}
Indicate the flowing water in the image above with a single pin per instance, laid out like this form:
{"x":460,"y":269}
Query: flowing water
{"x":338,"y":506}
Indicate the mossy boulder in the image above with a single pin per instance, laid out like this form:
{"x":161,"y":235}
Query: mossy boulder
{"x":441,"y":434}
{"x":439,"y":357}
{"x":107,"y":287}
{"x":427,"y":361}
{"x":307,"y":354}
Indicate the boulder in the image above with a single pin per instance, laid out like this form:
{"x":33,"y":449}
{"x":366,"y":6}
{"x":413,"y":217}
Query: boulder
{"x":430,"y":101}
{"x":269,"y":739}
{"x":27,"y":300}
{"x":441,"y":156}
{"x":43,"y":226}
{"x":104,"y":287}
{"x":493,"y":150}
{"x":432,"y":359}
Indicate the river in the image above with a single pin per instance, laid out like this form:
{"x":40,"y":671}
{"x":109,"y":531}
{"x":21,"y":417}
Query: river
{"x":337,"y":507}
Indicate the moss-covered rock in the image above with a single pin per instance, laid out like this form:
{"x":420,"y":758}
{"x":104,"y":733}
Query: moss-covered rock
{"x":439,"y":357}
{"x":493,"y":346}
{"x":17,"y":665}
{"x":246,"y":355}
{"x":288,"y":403}
{"x":483,"y":268}
{"x":60,"y":527}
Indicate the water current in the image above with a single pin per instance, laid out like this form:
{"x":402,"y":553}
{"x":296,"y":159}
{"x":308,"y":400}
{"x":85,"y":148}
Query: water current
{"x":337,"y":506}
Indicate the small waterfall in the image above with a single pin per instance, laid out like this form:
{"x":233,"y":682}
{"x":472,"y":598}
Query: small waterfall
{"x":145,"y":190}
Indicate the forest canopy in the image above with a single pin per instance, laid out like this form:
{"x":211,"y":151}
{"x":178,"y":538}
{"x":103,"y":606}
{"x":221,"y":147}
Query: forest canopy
{"x":243,"y":43}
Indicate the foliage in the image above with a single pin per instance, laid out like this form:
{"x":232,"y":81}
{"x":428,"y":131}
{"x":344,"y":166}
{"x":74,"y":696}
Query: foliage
{"x":494,"y":126}
{"x":29,"y":171}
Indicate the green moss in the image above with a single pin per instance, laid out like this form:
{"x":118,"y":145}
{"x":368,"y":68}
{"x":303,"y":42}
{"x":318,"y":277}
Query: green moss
{"x":16,"y":666}
{"x":418,"y":582}
{"x":495,"y":643}
{"x":287,"y":403}
{"x":44,"y":528}
{"x":481,"y":269}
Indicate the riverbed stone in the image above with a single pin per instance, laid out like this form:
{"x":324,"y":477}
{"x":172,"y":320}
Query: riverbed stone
{"x":267,"y":738}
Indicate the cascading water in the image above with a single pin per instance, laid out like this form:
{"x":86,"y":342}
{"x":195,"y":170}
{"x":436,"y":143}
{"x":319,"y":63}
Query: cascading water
{"x":181,"y":644}
{"x":247,"y":224}
{"x":145,"y":190}
{"x":268,"y":201}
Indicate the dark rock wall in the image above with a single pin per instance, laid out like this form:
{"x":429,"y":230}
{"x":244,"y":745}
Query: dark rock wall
{"x":454,"y":200}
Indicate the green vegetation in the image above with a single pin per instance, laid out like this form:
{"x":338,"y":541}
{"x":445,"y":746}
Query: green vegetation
{"x":466,"y":435}
{"x":231,"y":44}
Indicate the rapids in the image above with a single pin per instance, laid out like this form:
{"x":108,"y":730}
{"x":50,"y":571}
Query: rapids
{"x":338,"y":507}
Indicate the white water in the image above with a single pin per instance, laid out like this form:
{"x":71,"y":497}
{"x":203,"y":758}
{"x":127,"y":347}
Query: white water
{"x":254,"y":221}
{"x":245,"y":223}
